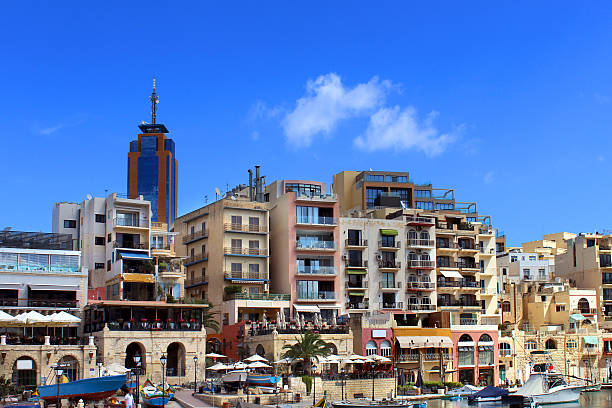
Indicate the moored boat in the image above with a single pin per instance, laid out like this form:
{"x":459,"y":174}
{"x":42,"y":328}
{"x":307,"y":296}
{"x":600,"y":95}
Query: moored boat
{"x":153,"y":396}
{"x":262,"y":379}
{"x":378,"y":404}
{"x":88,"y":389}
{"x":488,"y":394}
{"x":548,"y":388}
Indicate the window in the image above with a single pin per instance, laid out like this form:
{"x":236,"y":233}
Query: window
{"x":69,"y":223}
{"x":560,"y":308}
{"x":99,"y":265}
{"x":444,"y":206}
{"x":513,"y":258}
{"x":254,"y":224}
{"x":108,"y":265}
{"x":309,"y":190}
{"x":526,"y":273}
{"x":388,"y":280}
{"x":504,"y":271}
{"x":254,"y":271}
{"x":388,"y":241}
{"x":375,"y":177}
{"x":571,"y":344}
{"x":542,"y":273}
{"x":371,"y":348}
{"x":99,"y":240}
{"x":550,"y":344}
{"x":531,"y":345}
{"x":100,"y":218}
{"x":422,"y":193}
{"x":236,"y":222}
{"x":109,"y":238}
{"x":504,"y":349}
{"x":385,"y":348}
{"x":307,"y":289}
{"x":236,"y":245}
{"x":372,"y":194}
{"x":506,"y":307}
{"x":423,"y":205}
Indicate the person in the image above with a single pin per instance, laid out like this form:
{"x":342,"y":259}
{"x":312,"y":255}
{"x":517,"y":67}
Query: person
{"x":129,"y":399}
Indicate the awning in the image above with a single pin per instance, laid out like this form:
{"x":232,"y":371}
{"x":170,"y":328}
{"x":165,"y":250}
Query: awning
{"x":451,"y":274}
{"x":388,"y":232}
{"x":139,"y":277}
{"x":466,"y":344}
{"x":46,"y":286}
{"x":10,"y":286}
{"x":590,"y":340}
{"x":424,"y":341}
{"x":356,"y":271}
{"x":134,"y":255}
{"x":356,"y":293}
{"x":307,"y":308}
{"x":577,"y":317}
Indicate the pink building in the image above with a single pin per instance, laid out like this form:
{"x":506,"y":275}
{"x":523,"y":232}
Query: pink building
{"x":476,"y":355}
{"x":304,"y":236}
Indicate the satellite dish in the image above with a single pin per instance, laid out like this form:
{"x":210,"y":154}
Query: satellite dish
{"x":89,"y":197}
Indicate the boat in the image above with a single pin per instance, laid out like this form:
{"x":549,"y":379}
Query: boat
{"x":488,"y":394}
{"x":153,"y":396}
{"x":451,"y":397}
{"x":378,"y":404}
{"x":88,"y":389}
{"x":236,"y":377}
{"x":548,"y":388}
{"x":464,"y":391}
{"x":592,"y":388}
{"x":262,"y":379}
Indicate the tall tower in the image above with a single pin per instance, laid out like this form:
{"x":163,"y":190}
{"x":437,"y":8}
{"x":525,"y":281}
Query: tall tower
{"x":152,"y":167}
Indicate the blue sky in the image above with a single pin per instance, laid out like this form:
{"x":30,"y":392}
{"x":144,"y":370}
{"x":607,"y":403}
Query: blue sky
{"x":510,"y":105}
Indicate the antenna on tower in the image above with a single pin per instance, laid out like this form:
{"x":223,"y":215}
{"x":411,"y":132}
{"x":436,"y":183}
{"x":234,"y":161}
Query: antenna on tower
{"x":154,"y":101}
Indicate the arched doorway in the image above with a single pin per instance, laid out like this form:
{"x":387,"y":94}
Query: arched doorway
{"x":466,"y":359}
{"x":259,"y":350}
{"x":332,"y":348}
{"x":70,"y":365}
{"x":584,"y":306}
{"x":132,"y":350}
{"x":176,"y":360}
{"x":24,"y":373}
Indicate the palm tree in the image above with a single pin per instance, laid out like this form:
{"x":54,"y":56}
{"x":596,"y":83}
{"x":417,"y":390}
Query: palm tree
{"x":309,"y":347}
{"x":209,"y":319}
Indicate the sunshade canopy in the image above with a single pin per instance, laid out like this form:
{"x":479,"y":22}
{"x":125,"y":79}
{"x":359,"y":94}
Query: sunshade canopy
{"x":255,"y":357}
{"x":45,"y":286}
{"x":133,"y":255}
{"x":307,"y":308}
{"x":424,"y":341}
{"x":451,"y":274}
{"x":590,"y":340}
{"x":577,"y":317}
{"x":356,"y":271}
{"x":218,"y":366}
{"x":6,"y":318}
{"x":388,"y":232}
{"x":259,"y":364}
{"x":215,"y":355}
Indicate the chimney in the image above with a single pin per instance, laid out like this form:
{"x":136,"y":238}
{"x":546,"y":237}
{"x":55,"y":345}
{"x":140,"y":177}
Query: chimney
{"x":250,"y":184}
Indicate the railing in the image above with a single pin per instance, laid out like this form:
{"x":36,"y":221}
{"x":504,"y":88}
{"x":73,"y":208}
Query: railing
{"x":230,"y":226}
{"x":468,"y":247}
{"x":245,"y":251}
{"x":465,"y":227}
{"x":246,"y":275}
{"x":161,"y":247}
{"x":358,"y":306}
{"x":419,"y":220}
{"x":590,"y":350}
{"x":316,"y":270}
{"x":196,"y":235}
{"x":59,"y":304}
{"x":420,"y":285}
{"x":261,"y":296}
{"x":195,"y":281}
{"x":394,"y":305}
{"x":196,"y":258}
{"x":419,"y":263}
{"x":131,"y":245}
{"x":485,"y":231}
{"x":468,"y":322}
{"x":317,"y":220}
{"x":127,"y":222}
{"x":586,"y":311}
{"x":394,"y":245}
{"x":12,"y":340}
{"x":457,"y":303}
{"x":315,"y":244}
{"x":467,"y":265}
{"x":444,"y":226}
{"x":315,"y":197}
{"x":152,"y":326}
{"x":447,"y":245}
{"x":389,"y":264}
{"x":356,"y":242}
{"x":448,"y":284}
{"x":421,"y":306}
{"x":420,"y":242}
{"x":389,"y":285}
{"x":354,"y":264}
{"x":604,"y":247}
{"x":320,"y":295}
{"x":425,"y":356}
{"x":357,"y":285}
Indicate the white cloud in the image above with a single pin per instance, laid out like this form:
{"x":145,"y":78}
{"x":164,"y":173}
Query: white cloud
{"x":49,"y":130}
{"x":327,"y":102}
{"x":399,"y":129}
{"x":489,"y":177}
{"x":260,"y":110}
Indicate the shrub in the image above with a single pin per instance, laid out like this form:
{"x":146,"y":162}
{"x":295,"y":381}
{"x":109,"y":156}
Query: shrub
{"x":232,"y":289}
{"x":433,"y":384}
{"x":306,"y":379}
{"x":452,"y":385}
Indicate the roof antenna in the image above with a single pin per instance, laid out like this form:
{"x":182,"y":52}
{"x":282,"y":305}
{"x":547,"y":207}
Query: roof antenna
{"x":154,"y":101}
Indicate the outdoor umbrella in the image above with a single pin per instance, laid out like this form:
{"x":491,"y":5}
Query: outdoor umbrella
{"x":419,"y":381}
{"x":215,"y":355}
{"x":7,"y":319}
{"x":258,"y":364}
{"x":117,"y":368}
{"x":31,"y":318}
{"x":255,"y":357}
{"x":334,"y":321}
{"x":357,"y":357}
{"x":285,"y":360}
{"x":218,"y":367}
{"x":264,"y":319}
{"x":239,"y":366}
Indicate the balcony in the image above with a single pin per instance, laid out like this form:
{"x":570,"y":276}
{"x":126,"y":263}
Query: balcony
{"x":389,"y":245}
{"x":585,"y":311}
{"x":360,"y":243}
{"x":422,"y":221}
{"x":389,"y":264}
{"x":448,"y":284}
{"x":303,"y":196}
{"x":464,"y":226}
{"x":200,"y":280}
{"x":250,"y":228}
{"x":486,"y":251}
{"x":145,"y":325}
{"x":358,"y":306}
{"x":390,"y":285}
{"x":355,"y":264}
{"x":238,"y":251}
{"x":315,"y":245}
{"x":457,"y":303}
{"x":425,"y":356}
{"x":468,"y":248}
{"x":444,"y":226}
{"x":195,"y":259}
{"x":357,"y":285}
{"x":320,"y":295}
{"x":131,"y":223}
{"x":421,"y":307}
{"x":447,"y":246}
{"x":590,"y":351}
{"x":421,"y":264}
{"x":420,"y":243}
{"x":130,"y":245}
{"x":485,"y":231}
{"x":316,"y":270}
{"x":487,"y":292}
{"x":391,"y":305}
{"x":246,"y":275}
{"x":468,"y":322}
{"x":420,"y":286}
{"x":467,"y":265}
{"x":330,"y":221}
{"x":195,"y":236}
{"x":262,"y":296}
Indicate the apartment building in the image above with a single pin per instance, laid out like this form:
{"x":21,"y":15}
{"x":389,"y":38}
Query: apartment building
{"x":226,"y":248}
{"x":305,"y":248}
{"x":113,"y":234}
{"x":517,"y":266}
{"x":40,"y":272}
{"x":169,"y":271}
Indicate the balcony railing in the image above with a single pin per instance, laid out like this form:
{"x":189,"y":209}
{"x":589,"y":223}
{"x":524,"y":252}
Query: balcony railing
{"x":420,"y":263}
{"x":489,"y":251}
{"x":421,"y":307}
{"x":465,"y":227}
{"x":355,"y":264}
{"x":152,"y":326}
{"x":230,"y":226}
{"x":457,"y":303}
{"x":444,"y":226}
{"x":420,"y":285}
{"x":389,"y":285}
{"x":425,"y":356}
{"x":447,"y":245}
{"x":468,"y":322}
{"x":131,"y":245}
{"x":246,"y":275}
{"x":60,"y":304}
{"x":316,"y":270}
{"x":196,"y":235}
{"x":320,"y":295}
{"x":468,"y":247}
{"x":128,"y":222}
{"x":392,"y":245}
{"x":421,"y":243}
{"x":356,"y":242}
{"x":262,"y":296}
{"x":357,"y":285}
{"x":245,"y":251}
{"x":448,"y":284}
{"x":358,"y":306}
{"x":467,"y":265}
{"x":317,"y":220}
{"x":331,"y":245}
{"x":389,"y":264}
{"x":419,"y":220}
{"x":391,"y":305}
{"x":196,"y":258}
{"x":196,"y":281}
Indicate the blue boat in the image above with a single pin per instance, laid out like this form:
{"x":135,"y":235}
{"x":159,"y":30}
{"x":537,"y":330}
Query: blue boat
{"x":88,"y":389}
{"x":263,"y":379}
{"x":153,"y":396}
{"x":155,"y":401}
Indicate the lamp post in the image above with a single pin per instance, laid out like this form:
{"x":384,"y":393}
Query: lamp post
{"x":58,"y":372}
{"x":137,"y":361}
{"x":163,"y":360}
{"x":195,"y":374}
{"x":342,"y":378}
{"x":99,"y":364}
{"x":372,"y":385}
{"x":314,"y":383}
{"x":395,"y":380}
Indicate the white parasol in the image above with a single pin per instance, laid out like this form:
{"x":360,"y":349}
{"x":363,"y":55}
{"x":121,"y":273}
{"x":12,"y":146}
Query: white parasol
{"x":238,"y":366}
{"x":62,"y":318}
{"x":255,"y":357}
{"x":259,"y":364}
{"x":215,"y":355}
{"x":218,"y":367}
{"x":7,"y":318}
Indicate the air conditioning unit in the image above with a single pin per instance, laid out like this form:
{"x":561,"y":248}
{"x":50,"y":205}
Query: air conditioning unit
{"x":345,"y":257}
{"x":379,"y":257}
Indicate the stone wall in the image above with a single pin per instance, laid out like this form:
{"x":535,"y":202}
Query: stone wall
{"x":383,"y":388}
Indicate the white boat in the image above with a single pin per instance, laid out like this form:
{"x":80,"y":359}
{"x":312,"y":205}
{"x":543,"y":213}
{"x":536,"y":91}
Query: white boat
{"x":549,"y":388}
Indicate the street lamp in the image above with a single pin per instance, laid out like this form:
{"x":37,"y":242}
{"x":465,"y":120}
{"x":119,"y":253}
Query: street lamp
{"x":58,"y":372}
{"x":372,"y":385}
{"x":99,"y":364}
{"x":137,"y":361}
{"x":395,"y":380}
{"x":195,"y":374}
{"x":342,"y":378}
{"x":314,"y":383}
{"x":163,"y":360}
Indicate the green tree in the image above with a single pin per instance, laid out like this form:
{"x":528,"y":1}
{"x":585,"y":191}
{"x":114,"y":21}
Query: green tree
{"x":209,"y":319}
{"x":309,"y":347}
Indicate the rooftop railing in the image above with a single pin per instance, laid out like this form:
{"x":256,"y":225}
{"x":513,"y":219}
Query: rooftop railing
{"x":419,"y":220}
